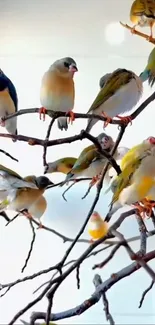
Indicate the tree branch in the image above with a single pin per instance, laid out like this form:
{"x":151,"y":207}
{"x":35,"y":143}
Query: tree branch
{"x":136,"y":32}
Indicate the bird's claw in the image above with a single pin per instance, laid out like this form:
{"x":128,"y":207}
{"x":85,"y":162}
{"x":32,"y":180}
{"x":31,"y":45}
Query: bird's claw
{"x":27,"y":215}
{"x":40,"y":226}
{"x":43,"y":111}
{"x":146,"y":209}
{"x":71,"y":117}
{"x":94,"y":180}
{"x":108,"y":120}
{"x":2,"y":122}
{"x":125,"y":119}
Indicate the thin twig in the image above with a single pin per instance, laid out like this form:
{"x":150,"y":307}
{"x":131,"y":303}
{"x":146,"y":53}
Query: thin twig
{"x":31,"y":246}
{"x":8,"y":155}
{"x":145,"y":293}
{"x":143,"y":236}
{"x":106,"y":309}
{"x":11,"y":220}
{"x":78,"y":276}
{"x":46,"y":141}
{"x":136,"y":32}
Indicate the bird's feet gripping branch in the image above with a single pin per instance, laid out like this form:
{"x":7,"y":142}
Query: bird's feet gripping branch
{"x":125,"y":119}
{"x":71,"y":117}
{"x":108,"y":120}
{"x":42,"y":111}
{"x":2,"y":122}
{"x":146,"y":208}
{"x":94,"y":180}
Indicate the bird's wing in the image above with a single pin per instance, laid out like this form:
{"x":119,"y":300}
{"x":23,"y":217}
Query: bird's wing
{"x":9,"y":171}
{"x":12,"y":91}
{"x":131,"y":156}
{"x":150,"y":9}
{"x":123,"y":180}
{"x":85,"y":150}
{"x":121,"y":152}
{"x":137,"y":8}
{"x":84,"y":161}
{"x":118,"y":78}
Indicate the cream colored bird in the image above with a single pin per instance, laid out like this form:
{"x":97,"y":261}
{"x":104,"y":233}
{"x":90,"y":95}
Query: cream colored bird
{"x":24,"y":199}
{"x":137,"y":178}
{"x":58,"y":91}
{"x":97,"y":228}
{"x":90,"y":162}
{"x":119,"y":95}
{"x":142,"y":13}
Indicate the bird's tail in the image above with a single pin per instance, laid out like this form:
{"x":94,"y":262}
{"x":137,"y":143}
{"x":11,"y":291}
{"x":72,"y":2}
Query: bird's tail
{"x":148,"y":74}
{"x":90,"y":124}
{"x":68,"y":177}
{"x":62,"y":123}
{"x":16,"y":133}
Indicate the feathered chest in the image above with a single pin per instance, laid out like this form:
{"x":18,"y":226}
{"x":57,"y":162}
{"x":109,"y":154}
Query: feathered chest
{"x":57,"y":93}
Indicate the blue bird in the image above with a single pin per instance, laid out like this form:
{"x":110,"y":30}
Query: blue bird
{"x":8,"y":103}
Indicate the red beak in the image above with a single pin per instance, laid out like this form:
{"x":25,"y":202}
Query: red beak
{"x":73,"y":68}
{"x":152,"y":140}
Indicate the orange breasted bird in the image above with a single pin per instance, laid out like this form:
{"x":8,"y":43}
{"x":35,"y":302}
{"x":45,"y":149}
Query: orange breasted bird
{"x":58,"y":91}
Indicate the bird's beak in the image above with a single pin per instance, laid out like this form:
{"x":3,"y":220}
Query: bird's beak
{"x":73,"y":68}
{"x":50,"y":184}
{"x":152,"y":140}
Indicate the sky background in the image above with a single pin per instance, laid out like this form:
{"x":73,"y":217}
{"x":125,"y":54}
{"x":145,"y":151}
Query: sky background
{"x":32,"y":36}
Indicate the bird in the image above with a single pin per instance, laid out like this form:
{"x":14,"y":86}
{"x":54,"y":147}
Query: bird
{"x":97,"y":227}
{"x":57,"y":91}
{"x":103,"y":80}
{"x":25,"y":199}
{"x":62,"y":165}
{"x":8,"y":104}
{"x":142,"y":13}
{"x":121,"y":93}
{"x":90,"y":162}
{"x":37,"y":209}
{"x":149,"y":72}
{"x":136,"y":178}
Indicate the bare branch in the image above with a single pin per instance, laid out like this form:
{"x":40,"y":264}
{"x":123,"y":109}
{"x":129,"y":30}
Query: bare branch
{"x":136,"y":32}
{"x":105,"y":286}
{"x":145,"y":293}
{"x":46,"y":141}
{"x":106,"y":309}
{"x":31,"y":246}
{"x":8,"y":155}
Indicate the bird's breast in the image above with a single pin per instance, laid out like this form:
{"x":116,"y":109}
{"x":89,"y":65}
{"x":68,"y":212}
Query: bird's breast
{"x":6,"y":103}
{"x":57,"y":93}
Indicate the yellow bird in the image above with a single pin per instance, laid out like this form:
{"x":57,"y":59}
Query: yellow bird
{"x":142,"y":13}
{"x":97,"y":228}
{"x":137,"y":177}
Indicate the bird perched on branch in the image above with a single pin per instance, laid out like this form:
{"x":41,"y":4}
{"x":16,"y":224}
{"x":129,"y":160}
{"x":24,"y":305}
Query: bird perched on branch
{"x":57,"y":89}
{"x":25,"y":199}
{"x":142,"y":13}
{"x":120,"y":94}
{"x":91,"y":162}
{"x":62,"y":165}
{"x":137,"y":178}
{"x":8,"y":104}
{"x":97,"y":228}
{"x":149,"y":71}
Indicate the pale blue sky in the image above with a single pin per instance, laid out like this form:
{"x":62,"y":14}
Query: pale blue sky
{"x":24,"y":57}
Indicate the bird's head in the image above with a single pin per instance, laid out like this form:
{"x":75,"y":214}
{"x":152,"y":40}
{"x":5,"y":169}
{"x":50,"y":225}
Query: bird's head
{"x":43,"y":182}
{"x":66,"y":66}
{"x":105,"y":141}
{"x":95,"y":216}
{"x":150,"y":141}
{"x":103,"y":80}
{"x":51,"y":167}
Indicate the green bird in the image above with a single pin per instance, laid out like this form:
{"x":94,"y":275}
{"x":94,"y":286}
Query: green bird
{"x":90,"y":162}
{"x":120,"y":93}
{"x":62,"y":165}
{"x":149,"y":72}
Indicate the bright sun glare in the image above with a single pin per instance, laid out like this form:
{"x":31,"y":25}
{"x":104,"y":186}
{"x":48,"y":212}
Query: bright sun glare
{"x":114,"y":33}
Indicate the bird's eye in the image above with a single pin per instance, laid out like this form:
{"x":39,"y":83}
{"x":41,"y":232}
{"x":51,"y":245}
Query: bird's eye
{"x":151,"y":140}
{"x":66,"y":64}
